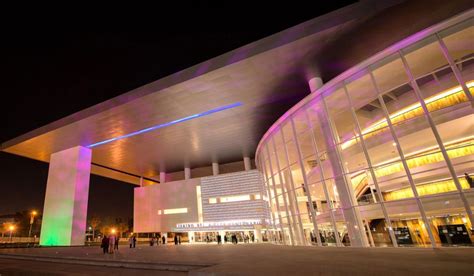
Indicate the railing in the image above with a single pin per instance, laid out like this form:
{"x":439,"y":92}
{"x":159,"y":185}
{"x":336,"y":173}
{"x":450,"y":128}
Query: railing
{"x":7,"y":239}
{"x":365,"y":199}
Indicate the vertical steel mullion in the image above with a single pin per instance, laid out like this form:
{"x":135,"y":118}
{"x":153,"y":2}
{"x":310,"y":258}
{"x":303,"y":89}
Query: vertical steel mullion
{"x":272,"y":215}
{"x":434,"y":129}
{"x":323,"y":180}
{"x":276,"y":194}
{"x":358,"y":221}
{"x":455,"y":69}
{"x":335,"y":137}
{"x":289,"y":218}
{"x":305,"y":182}
{"x":371,"y":170}
{"x":292,"y":187}
{"x":404,"y":163}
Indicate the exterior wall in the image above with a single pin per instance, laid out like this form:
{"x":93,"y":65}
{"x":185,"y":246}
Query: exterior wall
{"x":233,"y":184}
{"x":377,"y":156}
{"x":170,"y":195}
{"x":207,"y":171}
{"x":149,"y":200}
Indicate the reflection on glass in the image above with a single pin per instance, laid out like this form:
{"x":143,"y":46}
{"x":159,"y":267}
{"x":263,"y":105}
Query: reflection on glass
{"x":381,"y":92}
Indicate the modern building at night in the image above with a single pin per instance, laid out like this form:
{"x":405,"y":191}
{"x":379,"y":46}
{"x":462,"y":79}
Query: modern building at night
{"x":355,"y":128}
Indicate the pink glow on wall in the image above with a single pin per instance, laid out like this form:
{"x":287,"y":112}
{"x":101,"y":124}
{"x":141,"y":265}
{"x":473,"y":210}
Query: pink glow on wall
{"x":169,"y":195}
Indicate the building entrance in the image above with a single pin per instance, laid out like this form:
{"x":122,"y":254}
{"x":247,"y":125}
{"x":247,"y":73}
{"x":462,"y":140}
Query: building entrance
{"x":205,"y":236}
{"x":453,"y":234}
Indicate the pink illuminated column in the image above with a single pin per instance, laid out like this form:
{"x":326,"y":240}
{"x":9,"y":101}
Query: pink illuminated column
{"x":67,"y":191}
{"x":187,"y":173}
{"x":247,"y":164}
{"x":162,"y":177}
{"x":315,"y":83}
{"x":215,"y":168}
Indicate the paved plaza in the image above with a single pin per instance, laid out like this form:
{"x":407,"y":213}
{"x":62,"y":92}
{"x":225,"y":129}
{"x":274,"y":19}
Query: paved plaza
{"x":242,"y":259}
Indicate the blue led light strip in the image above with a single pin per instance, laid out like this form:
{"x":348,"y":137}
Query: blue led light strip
{"x":167,"y":124}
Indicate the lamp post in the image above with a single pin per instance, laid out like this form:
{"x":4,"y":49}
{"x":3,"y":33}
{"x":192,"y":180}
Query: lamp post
{"x":11,"y":228}
{"x":33,"y":214}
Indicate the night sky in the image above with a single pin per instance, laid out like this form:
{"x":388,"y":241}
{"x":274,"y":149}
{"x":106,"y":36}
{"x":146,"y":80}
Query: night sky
{"x":57,"y":62}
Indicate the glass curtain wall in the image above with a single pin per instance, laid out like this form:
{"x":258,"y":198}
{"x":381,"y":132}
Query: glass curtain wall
{"x":384,"y":157}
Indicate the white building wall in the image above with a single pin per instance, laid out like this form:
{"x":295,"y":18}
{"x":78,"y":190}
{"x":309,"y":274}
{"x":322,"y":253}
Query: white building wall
{"x":233,"y":184}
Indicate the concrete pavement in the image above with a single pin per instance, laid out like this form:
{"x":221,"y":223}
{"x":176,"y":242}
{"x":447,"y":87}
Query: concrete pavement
{"x":268,"y":259}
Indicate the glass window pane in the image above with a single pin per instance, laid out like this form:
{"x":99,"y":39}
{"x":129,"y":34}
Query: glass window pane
{"x":407,"y":224}
{"x":340,"y":113}
{"x":300,"y":121}
{"x":459,"y":40}
{"x":316,"y":115}
{"x":390,"y":75}
{"x":424,"y":57}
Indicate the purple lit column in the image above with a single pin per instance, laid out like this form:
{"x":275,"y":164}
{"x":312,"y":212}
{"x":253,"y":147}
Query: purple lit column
{"x":67,"y":191}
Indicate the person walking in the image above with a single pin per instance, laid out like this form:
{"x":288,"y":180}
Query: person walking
{"x":105,"y":244}
{"x":163,"y":238}
{"x":179,"y":239}
{"x":117,"y":243}
{"x":218,"y":239}
{"x":175,"y":239}
{"x":134,"y":241}
{"x":111,"y":244}
{"x":130,"y":241}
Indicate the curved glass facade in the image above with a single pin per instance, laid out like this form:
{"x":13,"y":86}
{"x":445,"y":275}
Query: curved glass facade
{"x":379,"y":155}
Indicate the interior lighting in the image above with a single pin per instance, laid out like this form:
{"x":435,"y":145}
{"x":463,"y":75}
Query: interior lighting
{"x":444,"y":99}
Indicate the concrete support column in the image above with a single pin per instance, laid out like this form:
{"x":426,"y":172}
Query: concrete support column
{"x":191,"y":237}
{"x":315,"y":83}
{"x":162,"y":177}
{"x":222,"y":233}
{"x":247,"y":164}
{"x":187,"y":173}
{"x":258,"y":233}
{"x":215,"y":168}
{"x":67,"y":192}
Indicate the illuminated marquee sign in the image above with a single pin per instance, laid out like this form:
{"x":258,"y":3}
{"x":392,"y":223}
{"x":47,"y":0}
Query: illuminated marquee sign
{"x":219,"y":224}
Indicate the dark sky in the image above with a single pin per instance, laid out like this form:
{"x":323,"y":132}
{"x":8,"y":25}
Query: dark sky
{"x":57,"y":62}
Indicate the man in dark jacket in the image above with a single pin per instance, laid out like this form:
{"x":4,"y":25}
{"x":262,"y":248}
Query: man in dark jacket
{"x":105,"y":244}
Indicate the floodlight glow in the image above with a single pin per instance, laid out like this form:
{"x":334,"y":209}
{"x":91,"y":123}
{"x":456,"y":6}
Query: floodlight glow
{"x":215,"y":110}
